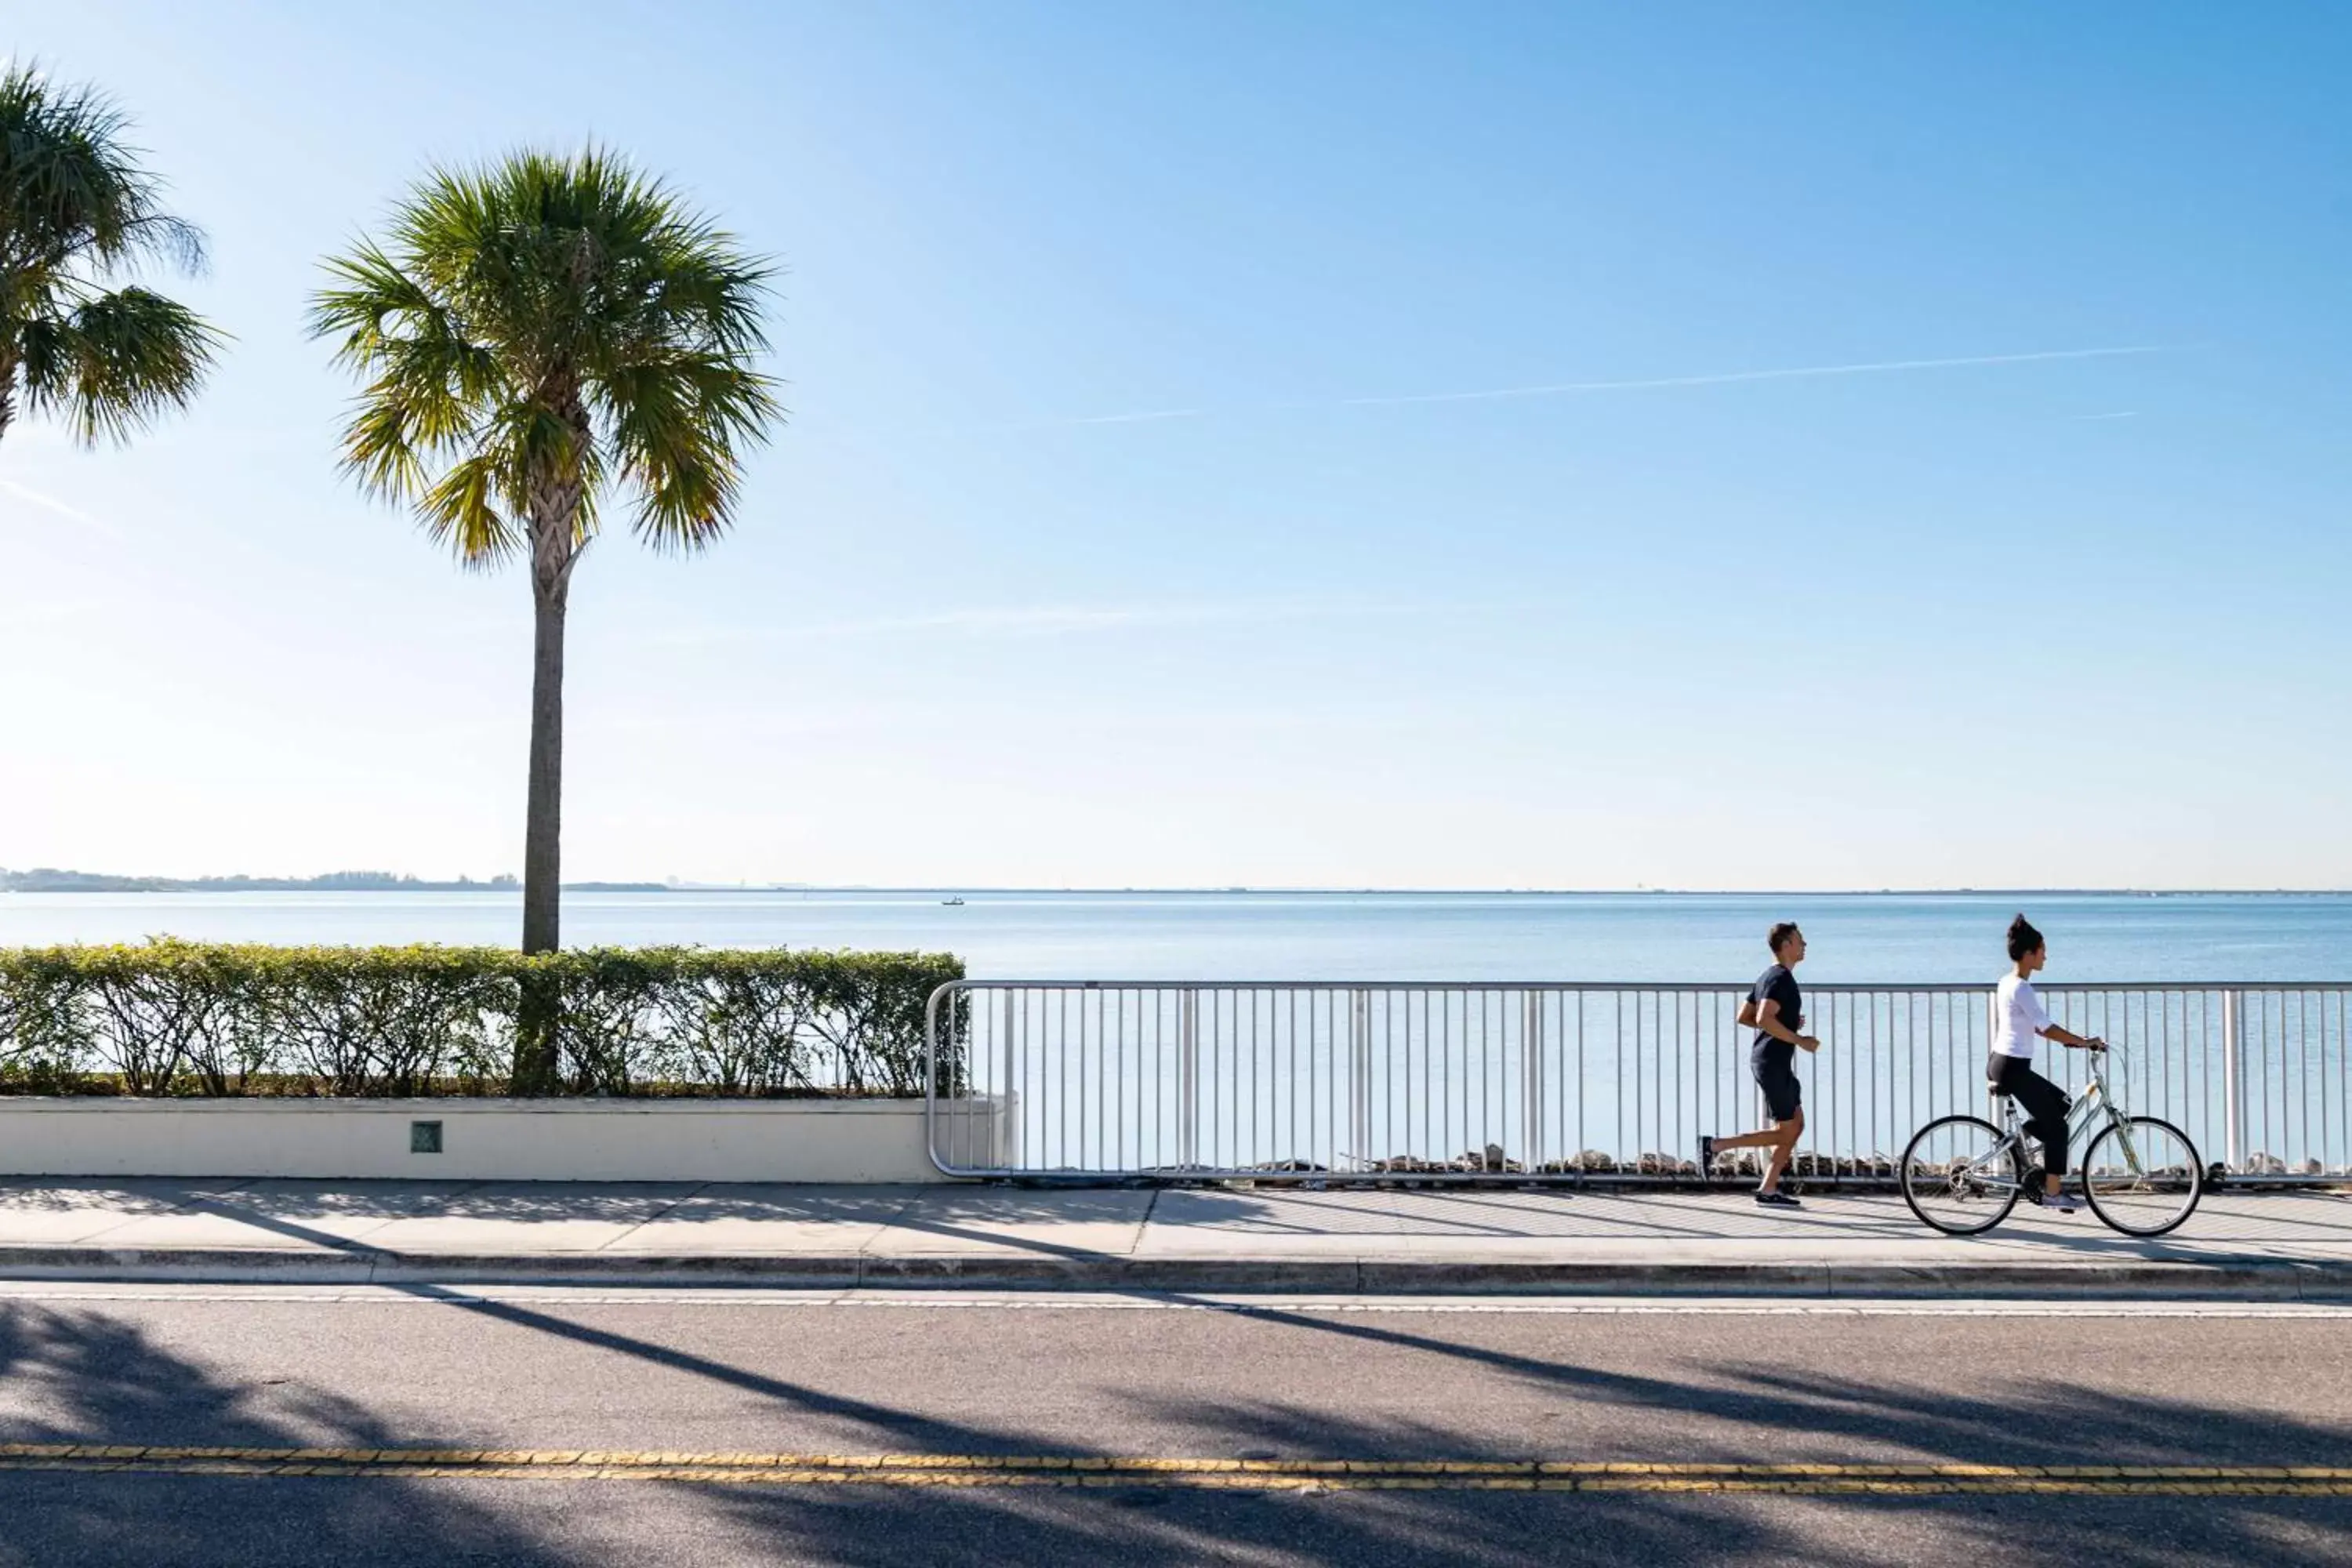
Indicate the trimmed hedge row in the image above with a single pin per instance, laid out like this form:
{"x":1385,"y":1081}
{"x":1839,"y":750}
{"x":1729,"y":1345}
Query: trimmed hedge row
{"x":173,"y":1017}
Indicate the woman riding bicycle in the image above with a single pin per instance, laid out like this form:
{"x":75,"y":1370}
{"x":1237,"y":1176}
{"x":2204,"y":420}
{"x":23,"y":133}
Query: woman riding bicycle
{"x":2018,"y":1024}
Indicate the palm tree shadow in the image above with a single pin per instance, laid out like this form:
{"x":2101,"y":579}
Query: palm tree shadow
{"x":82,"y":1376}
{"x":79,"y":1376}
{"x":1752,"y":1412}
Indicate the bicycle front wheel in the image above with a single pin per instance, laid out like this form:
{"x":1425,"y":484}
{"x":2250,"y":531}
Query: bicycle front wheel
{"x":2142,"y":1175}
{"x":1958,"y":1176}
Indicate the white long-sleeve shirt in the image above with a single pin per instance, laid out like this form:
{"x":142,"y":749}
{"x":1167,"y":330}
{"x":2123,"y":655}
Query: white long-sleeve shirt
{"x":2018,"y":1019}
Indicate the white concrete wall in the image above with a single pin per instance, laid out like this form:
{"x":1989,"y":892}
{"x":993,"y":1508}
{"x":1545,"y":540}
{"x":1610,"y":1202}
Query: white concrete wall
{"x":499,"y":1139}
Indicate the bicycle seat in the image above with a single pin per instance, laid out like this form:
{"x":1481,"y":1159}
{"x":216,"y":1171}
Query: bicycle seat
{"x":1998,"y":1090}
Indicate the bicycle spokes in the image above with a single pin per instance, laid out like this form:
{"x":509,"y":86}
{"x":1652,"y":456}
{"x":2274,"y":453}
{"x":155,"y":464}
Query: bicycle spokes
{"x":1960,"y":1175}
{"x":2142,"y":1175}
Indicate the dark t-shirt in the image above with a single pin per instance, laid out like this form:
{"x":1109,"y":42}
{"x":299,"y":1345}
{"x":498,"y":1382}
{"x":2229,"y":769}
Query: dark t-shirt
{"x":1777,"y":985}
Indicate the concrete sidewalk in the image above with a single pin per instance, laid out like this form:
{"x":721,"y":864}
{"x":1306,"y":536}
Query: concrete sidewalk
{"x":2285,"y":1245}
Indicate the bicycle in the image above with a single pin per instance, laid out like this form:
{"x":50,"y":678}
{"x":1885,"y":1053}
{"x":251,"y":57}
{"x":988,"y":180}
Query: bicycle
{"x":1962,"y":1174}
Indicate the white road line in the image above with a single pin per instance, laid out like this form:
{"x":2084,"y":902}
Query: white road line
{"x":557,"y":1296}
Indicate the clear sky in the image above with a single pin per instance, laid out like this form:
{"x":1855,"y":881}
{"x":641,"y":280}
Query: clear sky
{"x":1572,"y":445}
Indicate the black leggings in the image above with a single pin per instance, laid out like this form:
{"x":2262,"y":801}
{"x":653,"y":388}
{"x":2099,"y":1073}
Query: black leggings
{"x":2045,"y":1105}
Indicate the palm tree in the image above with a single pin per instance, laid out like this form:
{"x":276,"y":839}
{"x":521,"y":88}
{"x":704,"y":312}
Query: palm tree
{"x":535,"y":334}
{"x":77,"y":209}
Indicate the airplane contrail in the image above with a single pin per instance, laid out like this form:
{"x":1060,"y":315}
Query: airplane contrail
{"x":1725,"y":378}
{"x":1572,"y":388}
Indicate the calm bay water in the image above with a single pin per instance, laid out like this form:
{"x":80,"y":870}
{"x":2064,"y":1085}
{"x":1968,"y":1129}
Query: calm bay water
{"x":1337,"y":936}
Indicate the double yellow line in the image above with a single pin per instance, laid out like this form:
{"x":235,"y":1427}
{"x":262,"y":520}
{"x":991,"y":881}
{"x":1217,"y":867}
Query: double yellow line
{"x":1246,"y":1475}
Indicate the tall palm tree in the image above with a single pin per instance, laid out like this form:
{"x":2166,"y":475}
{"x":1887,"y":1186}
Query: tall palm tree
{"x":78,"y":209}
{"x":534,"y":335}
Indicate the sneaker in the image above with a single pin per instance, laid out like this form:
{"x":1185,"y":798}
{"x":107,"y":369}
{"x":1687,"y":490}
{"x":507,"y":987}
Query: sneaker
{"x":1778,"y":1200}
{"x":1706,"y":1156}
{"x":2062,"y":1203}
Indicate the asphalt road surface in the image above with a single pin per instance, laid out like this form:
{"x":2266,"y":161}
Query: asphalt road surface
{"x":551,"y":1427}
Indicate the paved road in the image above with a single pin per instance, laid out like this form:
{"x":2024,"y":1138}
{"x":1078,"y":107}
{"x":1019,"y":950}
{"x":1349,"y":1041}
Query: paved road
{"x":552,"y":1371}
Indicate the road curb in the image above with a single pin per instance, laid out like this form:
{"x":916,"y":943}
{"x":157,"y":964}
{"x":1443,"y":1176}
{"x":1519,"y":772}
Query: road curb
{"x":2266,"y":1278}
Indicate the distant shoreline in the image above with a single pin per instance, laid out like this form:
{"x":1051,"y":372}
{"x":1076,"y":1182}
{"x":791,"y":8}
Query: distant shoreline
{"x":46,"y":881}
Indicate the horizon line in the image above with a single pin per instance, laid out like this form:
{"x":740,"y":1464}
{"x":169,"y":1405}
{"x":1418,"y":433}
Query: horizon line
{"x":660,"y":885}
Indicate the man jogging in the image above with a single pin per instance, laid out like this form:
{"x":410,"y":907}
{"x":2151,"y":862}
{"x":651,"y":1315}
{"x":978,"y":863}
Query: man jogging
{"x":1775,"y":1010}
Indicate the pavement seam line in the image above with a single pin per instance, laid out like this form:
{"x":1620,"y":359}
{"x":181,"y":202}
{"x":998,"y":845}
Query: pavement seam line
{"x":665,"y":1209}
{"x":1225,"y":1475}
{"x":18,"y":1454}
{"x":1143,"y":1225}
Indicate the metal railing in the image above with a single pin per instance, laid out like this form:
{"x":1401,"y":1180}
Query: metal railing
{"x":1573,"y":1082}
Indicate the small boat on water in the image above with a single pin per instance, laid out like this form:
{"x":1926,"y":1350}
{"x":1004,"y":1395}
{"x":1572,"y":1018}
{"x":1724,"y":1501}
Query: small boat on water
{"x":955,"y":903}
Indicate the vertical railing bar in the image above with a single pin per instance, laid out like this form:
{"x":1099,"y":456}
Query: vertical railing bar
{"x":1911,"y":1057}
{"x":1617,"y":1143}
{"x":1584,"y":1176}
{"x":1670,"y":1143}
{"x":1333,"y":1065}
{"x":1240,"y":1156}
{"x":1442,"y":1050}
{"x":2302,"y":1064}
{"x":1872,"y":1136}
{"x":1314,"y":1090}
{"x":2233,"y":1088}
{"x":1483,"y":1133}
{"x":2263,"y":1066}
{"x":1360,"y":1107}
{"x":1531,"y":1160}
{"x":1246,"y":1155}
{"x":1426,"y":1145}
{"x":1301,"y":1153}
{"x":1224,"y":1082}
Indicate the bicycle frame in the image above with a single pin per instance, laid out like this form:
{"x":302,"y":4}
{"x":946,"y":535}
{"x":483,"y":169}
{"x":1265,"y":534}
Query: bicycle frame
{"x":2096,"y":1100}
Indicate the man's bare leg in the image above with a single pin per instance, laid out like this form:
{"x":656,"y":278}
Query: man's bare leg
{"x":1785,"y":1138}
{"x":1780,"y":1138}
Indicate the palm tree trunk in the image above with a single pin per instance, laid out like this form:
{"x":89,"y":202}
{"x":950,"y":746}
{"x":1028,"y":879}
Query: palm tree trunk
{"x":555,"y":549}
{"x":542,"y":834}
{"x":538,"y":1068}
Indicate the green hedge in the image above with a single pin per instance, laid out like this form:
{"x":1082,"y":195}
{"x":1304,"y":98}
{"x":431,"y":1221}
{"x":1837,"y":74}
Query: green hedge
{"x":177,"y":1017}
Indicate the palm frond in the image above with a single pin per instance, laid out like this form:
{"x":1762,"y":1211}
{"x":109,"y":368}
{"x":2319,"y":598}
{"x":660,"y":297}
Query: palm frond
{"x":115,"y":362}
{"x":78,"y":206}
{"x":70,"y":185}
{"x":461,"y":511}
{"x":678,"y":428}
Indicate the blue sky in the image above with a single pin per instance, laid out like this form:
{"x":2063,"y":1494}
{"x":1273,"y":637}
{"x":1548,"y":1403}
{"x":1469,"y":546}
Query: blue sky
{"x":1128,"y":530}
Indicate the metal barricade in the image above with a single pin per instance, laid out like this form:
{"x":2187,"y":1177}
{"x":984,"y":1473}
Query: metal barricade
{"x":1574,"y":1082}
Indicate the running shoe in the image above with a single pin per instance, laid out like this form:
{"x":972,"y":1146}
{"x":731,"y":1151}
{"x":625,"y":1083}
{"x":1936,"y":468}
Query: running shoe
{"x":1778,"y":1200}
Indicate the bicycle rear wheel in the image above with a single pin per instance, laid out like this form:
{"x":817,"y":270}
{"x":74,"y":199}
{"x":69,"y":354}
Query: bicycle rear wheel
{"x":1957,"y":1177}
{"x":2142,"y":1176}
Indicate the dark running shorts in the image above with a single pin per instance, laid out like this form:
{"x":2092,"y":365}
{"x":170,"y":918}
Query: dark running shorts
{"x":1782,"y":1093}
